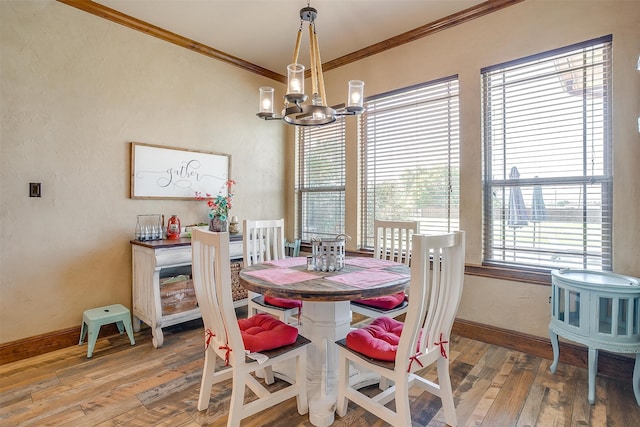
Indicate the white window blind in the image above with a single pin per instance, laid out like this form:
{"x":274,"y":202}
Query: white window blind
{"x":547,"y":159}
{"x":321,"y":181}
{"x":410,"y":158}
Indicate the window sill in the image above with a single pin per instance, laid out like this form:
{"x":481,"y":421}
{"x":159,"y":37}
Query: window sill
{"x":536,"y":277}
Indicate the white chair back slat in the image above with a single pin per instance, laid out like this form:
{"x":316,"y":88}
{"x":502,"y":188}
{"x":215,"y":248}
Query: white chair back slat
{"x":392,"y":240}
{"x":263,"y":241}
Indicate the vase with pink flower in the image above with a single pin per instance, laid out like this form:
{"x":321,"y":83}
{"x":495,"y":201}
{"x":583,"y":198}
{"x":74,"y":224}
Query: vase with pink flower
{"x":219,"y":206}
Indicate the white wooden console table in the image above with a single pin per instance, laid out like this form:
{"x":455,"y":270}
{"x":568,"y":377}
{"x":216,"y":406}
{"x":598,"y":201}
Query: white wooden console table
{"x":162,"y":290}
{"x":600,"y":310}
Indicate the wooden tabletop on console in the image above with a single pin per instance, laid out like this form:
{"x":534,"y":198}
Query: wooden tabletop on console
{"x":168,"y":243}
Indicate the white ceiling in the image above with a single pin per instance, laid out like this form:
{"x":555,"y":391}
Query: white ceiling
{"x":263,"y":32}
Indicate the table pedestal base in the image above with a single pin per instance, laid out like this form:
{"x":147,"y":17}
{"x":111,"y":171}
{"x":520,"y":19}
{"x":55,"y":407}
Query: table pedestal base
{"x":323,"y":323}
{"x":322,"y":410}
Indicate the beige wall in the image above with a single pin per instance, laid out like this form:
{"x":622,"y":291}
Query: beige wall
{"x":527,"y":28}
{"x":75,"y":90}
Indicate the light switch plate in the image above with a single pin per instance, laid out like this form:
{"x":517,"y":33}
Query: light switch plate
{"x":35,"y":189}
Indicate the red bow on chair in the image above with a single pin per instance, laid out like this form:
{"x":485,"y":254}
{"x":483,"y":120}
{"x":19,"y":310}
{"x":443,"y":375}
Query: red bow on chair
{"x":443,"y":351}
{"x":415,"y":357}
{"x":226,"y":354}
{"x":207,"y":338}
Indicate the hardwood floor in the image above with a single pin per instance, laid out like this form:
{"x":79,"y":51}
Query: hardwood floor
{"x":143,"y":386}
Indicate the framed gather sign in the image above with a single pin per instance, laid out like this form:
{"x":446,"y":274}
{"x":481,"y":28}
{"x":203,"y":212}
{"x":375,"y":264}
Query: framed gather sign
{"x":159,"y":172}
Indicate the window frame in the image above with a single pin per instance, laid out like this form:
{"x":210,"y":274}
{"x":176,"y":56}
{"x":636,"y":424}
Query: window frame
{"x":605,"y":180}
{"x":403,"y":101}
{"x":302,"y":187}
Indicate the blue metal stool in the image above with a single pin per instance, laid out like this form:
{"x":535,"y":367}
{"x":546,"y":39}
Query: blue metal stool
{"x":94,"y":318}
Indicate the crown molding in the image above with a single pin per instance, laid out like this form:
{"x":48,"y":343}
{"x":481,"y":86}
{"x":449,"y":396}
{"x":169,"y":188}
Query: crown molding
{"x":465,"y":15}
{"x":152,"y":30}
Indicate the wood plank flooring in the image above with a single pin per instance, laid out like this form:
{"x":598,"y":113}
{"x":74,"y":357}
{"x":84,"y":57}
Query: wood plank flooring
{"x":124,"y":385}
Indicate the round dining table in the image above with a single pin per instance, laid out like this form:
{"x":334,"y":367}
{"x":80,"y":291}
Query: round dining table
{"x":325,"y":316}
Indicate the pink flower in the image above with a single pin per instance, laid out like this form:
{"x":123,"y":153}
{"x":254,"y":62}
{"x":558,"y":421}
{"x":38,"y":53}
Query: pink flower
{"x":219,"y":206}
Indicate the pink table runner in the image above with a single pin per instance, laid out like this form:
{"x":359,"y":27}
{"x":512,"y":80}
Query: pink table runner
{"x":366,"y":279}
{"x":288,"y":262}
{"x":282,"y":276}
{"x":370,"y":262}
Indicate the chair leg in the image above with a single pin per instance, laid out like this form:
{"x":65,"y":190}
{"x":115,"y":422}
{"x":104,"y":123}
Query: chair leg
{"x":446,"y":393}
{"x":94,"y":330}
{"x":207,"y":380}
{"x":343,"y":383}
{"x":252,"y":307}
{"x":83,"y":332}
{"x":120,"y":326}
{"x":237,"y":399}
{"x":301,"y":383}
{"x":129,"y":328}
{"x":268,"y":375}
{"x":403,"y":410}
{"x":291,"y":320}
{"x":384,"y":383}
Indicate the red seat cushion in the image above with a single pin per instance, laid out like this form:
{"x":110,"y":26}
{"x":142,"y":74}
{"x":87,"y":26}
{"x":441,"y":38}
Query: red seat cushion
{"x":263,"y":332}
{"x":282,"y":302}
{"x":385,"y":302}
{"x":378,"y":340}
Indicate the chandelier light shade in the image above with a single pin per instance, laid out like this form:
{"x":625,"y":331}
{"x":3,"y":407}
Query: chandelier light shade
{"x":315,"y":113}
{"x":266,"y":102}
{"x":295,"y":82}
{"x":355,"y":99}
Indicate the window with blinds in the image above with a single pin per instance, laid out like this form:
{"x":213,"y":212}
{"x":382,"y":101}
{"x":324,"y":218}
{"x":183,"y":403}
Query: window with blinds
{"x":410,"y":158}
{"x":547,"y":159}
{"x":320,"y":181}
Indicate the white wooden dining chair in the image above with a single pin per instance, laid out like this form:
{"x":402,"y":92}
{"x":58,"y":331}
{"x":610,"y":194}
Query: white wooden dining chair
{"x":263,"y":240}
{"x":402,"y":349}
{"x":229,"y":339}
{"x":392,"y":241}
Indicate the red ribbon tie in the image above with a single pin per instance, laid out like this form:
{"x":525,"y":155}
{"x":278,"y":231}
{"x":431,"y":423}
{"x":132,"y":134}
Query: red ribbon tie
{"x":415,"y":357}
{"x":443,"y":351}
{"x":208,"y":335}
{"x":226,"y":354}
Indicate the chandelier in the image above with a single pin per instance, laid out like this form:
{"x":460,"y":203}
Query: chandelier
{"x":317,"y":113}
